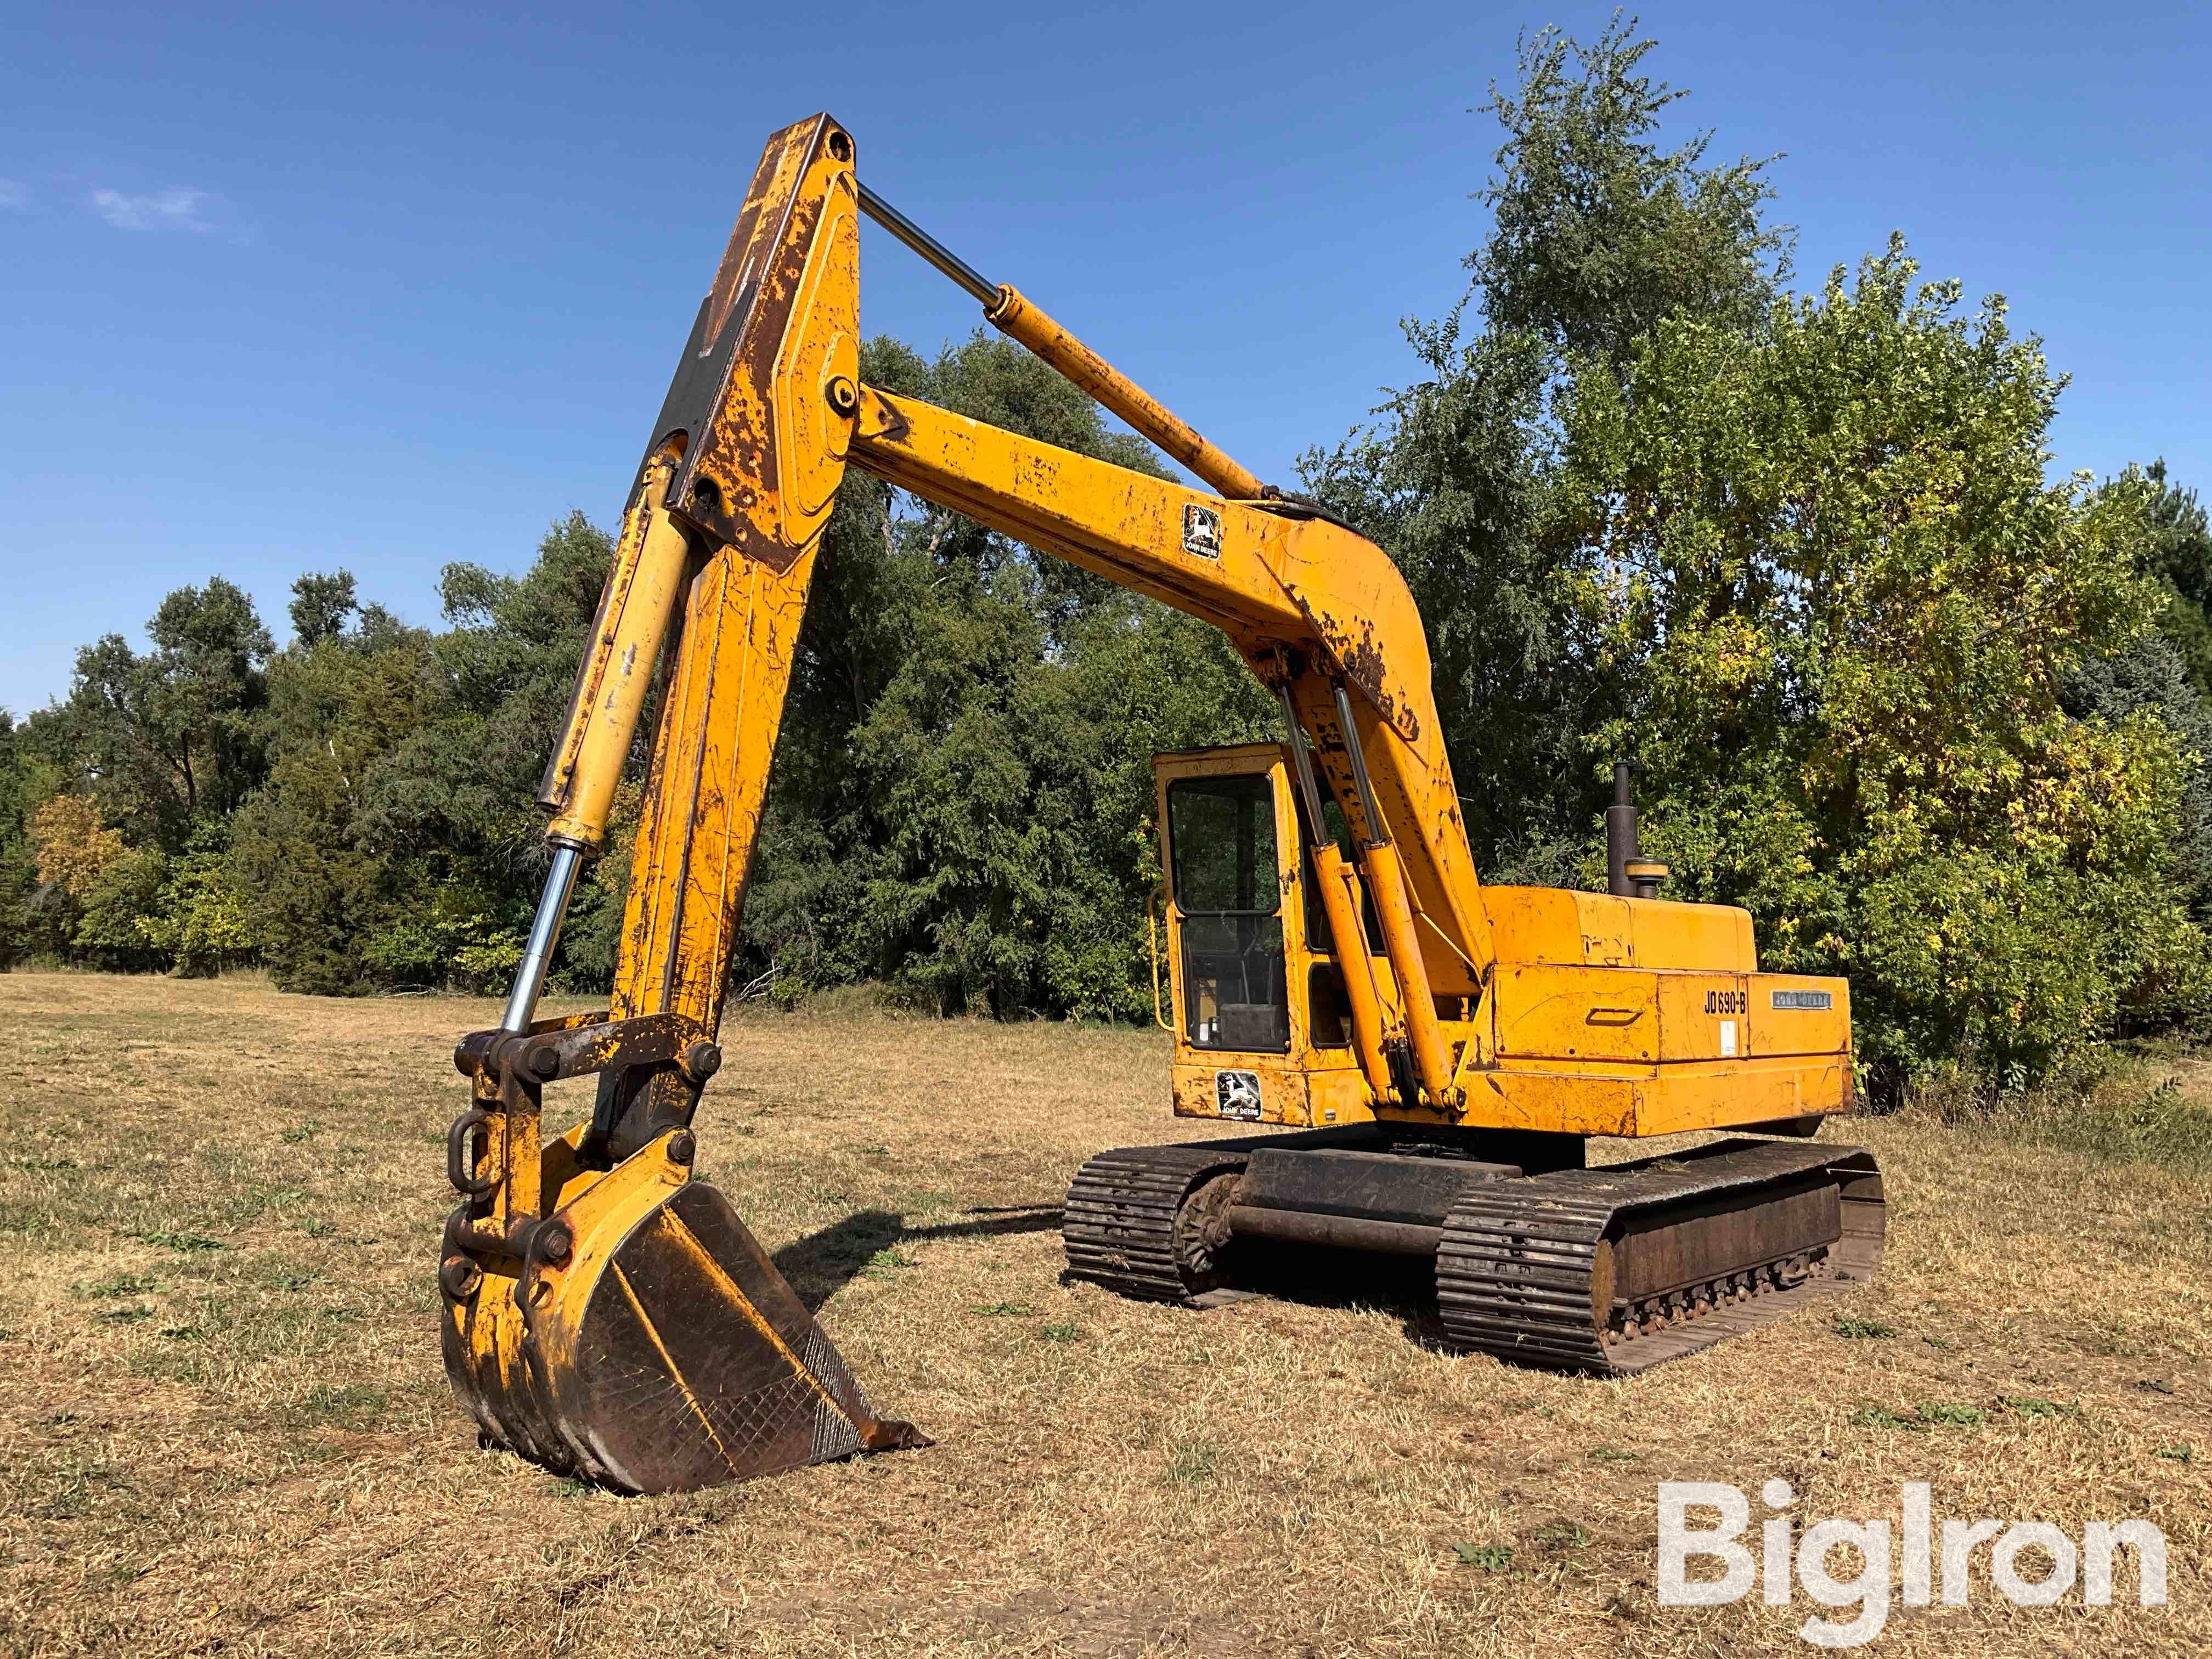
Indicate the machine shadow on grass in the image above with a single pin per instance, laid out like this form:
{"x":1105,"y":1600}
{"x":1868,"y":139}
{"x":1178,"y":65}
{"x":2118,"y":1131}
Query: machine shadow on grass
{"x":822,"y":1263}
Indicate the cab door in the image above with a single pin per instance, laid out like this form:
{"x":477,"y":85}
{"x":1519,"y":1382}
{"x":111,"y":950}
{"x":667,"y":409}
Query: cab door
{"x":1262,"y":1031}
{"x":1225,"y":902}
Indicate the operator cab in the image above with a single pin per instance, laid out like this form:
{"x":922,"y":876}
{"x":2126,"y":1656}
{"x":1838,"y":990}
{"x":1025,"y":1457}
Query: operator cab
{"x":1255,"y":995}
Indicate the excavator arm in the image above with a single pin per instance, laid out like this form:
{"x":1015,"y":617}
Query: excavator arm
{"x":593,"y":1258}
{"x":764,"y":415}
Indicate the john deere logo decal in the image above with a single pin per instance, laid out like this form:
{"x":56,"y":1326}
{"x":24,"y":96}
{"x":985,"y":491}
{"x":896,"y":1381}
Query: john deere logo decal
{"x":1201,"y":531}
{"x":1238,"y":1093}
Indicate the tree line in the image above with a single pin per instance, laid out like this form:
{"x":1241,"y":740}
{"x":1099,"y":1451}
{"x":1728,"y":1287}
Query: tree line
{"x":1938,"y":717}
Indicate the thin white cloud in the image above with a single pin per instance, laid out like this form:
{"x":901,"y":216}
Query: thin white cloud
{"x":164,"y":209}
{"x":14,"y":193}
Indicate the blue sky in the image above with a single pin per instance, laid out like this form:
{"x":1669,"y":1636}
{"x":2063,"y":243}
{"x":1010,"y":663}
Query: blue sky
{"x":386,"y":286}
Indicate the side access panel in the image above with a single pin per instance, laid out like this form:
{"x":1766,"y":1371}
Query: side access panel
{"x":1641,"y":1052}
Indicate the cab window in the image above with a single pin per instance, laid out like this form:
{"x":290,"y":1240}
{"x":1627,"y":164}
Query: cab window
{"x":1221,"y":843}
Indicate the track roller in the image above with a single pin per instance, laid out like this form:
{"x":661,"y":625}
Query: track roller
{"x":1613,"y":1271}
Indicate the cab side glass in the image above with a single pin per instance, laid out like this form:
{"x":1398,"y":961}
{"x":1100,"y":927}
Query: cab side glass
{"x":1221,"y":839}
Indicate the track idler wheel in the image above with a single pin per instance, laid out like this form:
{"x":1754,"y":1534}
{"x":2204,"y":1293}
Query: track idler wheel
{"x":1153,"y":1222}
{"x":645,"y":1341}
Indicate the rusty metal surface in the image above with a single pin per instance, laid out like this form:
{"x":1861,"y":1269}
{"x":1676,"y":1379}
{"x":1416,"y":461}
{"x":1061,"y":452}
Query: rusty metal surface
{"x":553,"y":1050}
{"x":1119,"y":1225}
{"x":1381,"y":1184}
{"x":1606,"y":1271}
{"x":738,"y":464}
{"x":1677,"y":1246}
{"x":1155,"y":1223}
{"x":1528,"y":1270}
{"x":694,"y":1364}
{"x":680,"y":1359}
{"x":473,"y":1053}
{"x":608,"y":1316}
{"x":1203,"y":1232}
{"x":1334,"y":1232}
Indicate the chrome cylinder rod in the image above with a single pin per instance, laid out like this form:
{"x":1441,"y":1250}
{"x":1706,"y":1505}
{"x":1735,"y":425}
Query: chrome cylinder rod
{"x":1378,"y":833}
{"x":544,"y":931}
{"x":1309,"y":791}
{"x":927,"y":246}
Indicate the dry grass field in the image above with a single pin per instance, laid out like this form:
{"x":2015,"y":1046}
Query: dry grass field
{"x":225,"y":1428}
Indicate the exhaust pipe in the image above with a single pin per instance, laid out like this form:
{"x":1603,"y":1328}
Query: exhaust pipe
{"x":1629,"y":874}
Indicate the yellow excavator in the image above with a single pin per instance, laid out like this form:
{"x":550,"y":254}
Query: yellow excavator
{"x":1430,"y":1055}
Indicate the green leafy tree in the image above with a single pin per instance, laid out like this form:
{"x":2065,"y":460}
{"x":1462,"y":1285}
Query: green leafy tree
{"x":2162,"y":671}
{"x":322,"y":604}
{"x":1892,"y":688}
{"x":18,"y":864}
{"x":448,"y":803}
{"x":197,"y":917}
{"x":172,"y":735}
{"x":109,"y":928}
{"x":1843,"y":604}
{"x":1598,"y":233}
{"x":354,"y":688}
{"x":465,"y":777}
{"x":1454,"y":487}
{"x":1797,"y":557}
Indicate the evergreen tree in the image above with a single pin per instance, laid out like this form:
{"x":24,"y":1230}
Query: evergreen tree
{"x":2177,"y":551}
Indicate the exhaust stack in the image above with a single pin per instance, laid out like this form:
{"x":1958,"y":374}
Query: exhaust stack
{"x":1629,"y":874}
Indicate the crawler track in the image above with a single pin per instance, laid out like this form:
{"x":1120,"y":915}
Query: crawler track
{"x":1525,"y":1267}
{"x":1124,"y":1225}
{"x":1524,"y":1271}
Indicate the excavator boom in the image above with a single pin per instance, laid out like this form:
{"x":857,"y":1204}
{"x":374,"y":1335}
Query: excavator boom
{"x":606,"y":1314}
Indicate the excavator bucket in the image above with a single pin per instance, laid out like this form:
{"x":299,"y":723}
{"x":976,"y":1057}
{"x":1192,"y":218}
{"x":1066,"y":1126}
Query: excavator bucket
{"x":661,"y":1351}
